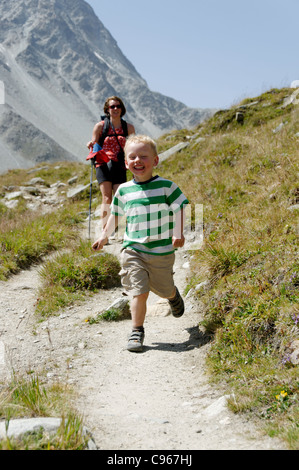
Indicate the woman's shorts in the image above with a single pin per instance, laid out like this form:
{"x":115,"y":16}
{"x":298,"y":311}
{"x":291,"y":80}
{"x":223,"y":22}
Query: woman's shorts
{"x":115,"y":172}
{"x":142,"y":273}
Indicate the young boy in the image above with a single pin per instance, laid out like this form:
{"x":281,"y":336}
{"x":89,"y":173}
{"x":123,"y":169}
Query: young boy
{"x":154,"y":208}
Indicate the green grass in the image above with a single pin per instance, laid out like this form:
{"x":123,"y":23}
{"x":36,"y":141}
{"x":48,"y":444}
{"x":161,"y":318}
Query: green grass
{"x":28,"y":397}
{"x":70,"y":276}
{"x":25,"y":238}
{"x":257,"y":111}
{"x":69,"y":436}
{"x":110,"y":315}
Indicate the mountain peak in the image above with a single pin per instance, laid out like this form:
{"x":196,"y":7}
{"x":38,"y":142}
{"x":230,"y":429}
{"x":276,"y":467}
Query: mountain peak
{"x":59,"y":63}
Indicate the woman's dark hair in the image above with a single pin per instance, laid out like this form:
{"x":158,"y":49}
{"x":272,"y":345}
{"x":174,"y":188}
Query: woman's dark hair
{"x":114,"y":98}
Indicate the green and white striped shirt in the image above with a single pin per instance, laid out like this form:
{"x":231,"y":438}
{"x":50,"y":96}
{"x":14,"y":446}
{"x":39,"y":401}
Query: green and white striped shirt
{"x":149,"y":208}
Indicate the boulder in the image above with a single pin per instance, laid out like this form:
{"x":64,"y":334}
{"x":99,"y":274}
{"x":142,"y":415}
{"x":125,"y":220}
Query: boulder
{"x":159,"y":309}
{"x":18,"y":427}
{"x":163,"y":156}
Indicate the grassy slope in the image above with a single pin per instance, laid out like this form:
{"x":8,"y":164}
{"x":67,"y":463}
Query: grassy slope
{"x":246,"y":176}
{"x":27,"y":236}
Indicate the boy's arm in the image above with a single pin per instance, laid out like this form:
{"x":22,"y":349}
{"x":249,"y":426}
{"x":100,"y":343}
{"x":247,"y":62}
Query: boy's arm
{"x":178,"y":238}
{"x":110,"y":227}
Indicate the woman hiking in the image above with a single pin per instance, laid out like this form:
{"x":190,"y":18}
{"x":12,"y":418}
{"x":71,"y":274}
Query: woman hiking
{"x":110,"y":134}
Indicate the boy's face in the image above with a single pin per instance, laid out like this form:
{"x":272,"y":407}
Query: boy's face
{"x":140,"y":160}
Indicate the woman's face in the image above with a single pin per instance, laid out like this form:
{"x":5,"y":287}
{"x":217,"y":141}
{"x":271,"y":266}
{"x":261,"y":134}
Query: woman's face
{"x":114,"y":109}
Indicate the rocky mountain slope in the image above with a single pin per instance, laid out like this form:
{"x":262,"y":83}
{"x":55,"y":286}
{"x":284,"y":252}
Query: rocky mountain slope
{"x":58,"y":64}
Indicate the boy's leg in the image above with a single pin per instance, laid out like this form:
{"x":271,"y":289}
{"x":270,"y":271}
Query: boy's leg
{"x":176,"y":304}
{"x":138,"y":311}
{"x":162,"y":283}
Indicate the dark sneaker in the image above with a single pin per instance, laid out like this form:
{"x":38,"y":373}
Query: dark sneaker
{"x":177,"y":305}
{"x":135,"y":342}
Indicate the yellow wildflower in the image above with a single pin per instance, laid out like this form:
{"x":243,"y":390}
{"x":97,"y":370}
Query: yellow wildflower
{"x":282,"y":394}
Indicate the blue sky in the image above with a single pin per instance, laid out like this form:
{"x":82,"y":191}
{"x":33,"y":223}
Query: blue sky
{"x":207,"y":53}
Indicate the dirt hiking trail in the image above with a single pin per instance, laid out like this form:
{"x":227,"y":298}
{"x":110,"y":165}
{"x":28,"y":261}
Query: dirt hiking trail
{"x":159,"y":399}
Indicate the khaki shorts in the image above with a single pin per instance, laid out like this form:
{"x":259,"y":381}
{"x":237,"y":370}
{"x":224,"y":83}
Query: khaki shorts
{"x":142,"y":273}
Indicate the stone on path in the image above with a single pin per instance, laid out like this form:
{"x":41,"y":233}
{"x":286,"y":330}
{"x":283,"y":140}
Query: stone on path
{"x":18,"y":427}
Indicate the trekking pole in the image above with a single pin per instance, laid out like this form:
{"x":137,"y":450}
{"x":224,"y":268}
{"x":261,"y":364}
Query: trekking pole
{"x":96,"y":154}
{"x":90,"y":192}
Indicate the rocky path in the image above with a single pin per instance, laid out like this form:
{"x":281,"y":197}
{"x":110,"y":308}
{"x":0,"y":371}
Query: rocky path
{"x":159,"y":399}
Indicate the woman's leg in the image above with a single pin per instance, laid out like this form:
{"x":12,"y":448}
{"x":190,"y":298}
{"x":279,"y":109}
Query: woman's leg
{"x":106,"y":190}
{"x":115,"y":186}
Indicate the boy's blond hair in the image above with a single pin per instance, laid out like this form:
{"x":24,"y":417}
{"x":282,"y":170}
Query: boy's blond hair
{"x":141,"y":139}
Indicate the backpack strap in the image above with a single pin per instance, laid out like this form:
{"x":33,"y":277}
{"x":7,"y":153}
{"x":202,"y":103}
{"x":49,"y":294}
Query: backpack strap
{"x":106,"y":129}
{"x":125,"y":127}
